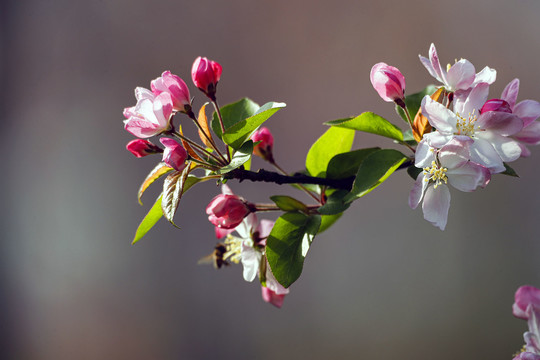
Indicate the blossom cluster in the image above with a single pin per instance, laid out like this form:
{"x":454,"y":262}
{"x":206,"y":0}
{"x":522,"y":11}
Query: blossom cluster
{"x":472,"y":137}
{"x":457,"y":136}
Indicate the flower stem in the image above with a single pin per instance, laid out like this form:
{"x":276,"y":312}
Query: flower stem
{"x":220,"y":117}
{"x":198,"y":147}
{"x":207,"y":136}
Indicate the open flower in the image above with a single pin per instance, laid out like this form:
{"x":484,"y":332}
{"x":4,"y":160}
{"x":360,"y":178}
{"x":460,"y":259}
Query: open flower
{"x":489,"y":131}
{"x":151,"y":116}
{"x":460,"y":76}
{"x":527,"y":306}
{"x":528,"y":111}
{"x":449,"y":165}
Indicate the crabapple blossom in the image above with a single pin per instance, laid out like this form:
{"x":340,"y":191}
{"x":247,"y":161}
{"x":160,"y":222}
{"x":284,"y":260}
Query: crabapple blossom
{"x":174,"y":155}
{"x":460,"y":76}
{"x":450,"y":164}
{"x":527,"y":307}
{"x":205,"y":74}
{"x":227,"y":210}
{"x":176,"y":87}
{"x":141,"y":148}
{"x":264,"y":147}
{"x":271,"y":297}
{"x":528,"y":111}
{"x":151,"y":116}
{"x":388,"y":82}
{"x":490,"y":131}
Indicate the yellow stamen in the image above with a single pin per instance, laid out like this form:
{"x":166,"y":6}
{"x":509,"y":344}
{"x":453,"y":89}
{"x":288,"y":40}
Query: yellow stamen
{"x":234,"y":249}
{"x":466,"y":126}
{"x":436,"y":174}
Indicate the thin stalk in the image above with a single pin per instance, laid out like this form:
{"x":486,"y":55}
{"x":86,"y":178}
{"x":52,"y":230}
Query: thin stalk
{"x":210,"y":140}
{"x":220,"y":117}
{"x":198,"y":147}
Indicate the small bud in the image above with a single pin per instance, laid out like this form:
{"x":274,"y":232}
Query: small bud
{"x":140,"y":148}
{"x":205,"y":74}
{"x":174,"y":155}
{"x":496,"y":105}
{"x":227,"y":211}
{"x":264,"y":148}
{"x":388,"y":82}
{"x":176,"y":87}
{"x":271,"y":297}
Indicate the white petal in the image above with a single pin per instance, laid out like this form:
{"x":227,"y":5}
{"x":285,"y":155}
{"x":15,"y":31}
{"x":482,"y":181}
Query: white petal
{"x":510,"y":93}
{"x":417,"y":192}
{"x":436,"y":64}
{"x":468,"y":177}
{"x":436,"y":204}
{"x":508,"y":149}
{"x":251,"y":260}
{"x":461,"y":75}
{"x":484,"y":154}
{"x":424,"y":154}
{"x":272,"y":283}
{"x":429,"y":67}
{"x":439,"y":116}
{"x":476,"y":99}
{"x":486,"y":75}
{"x":456,"y":152}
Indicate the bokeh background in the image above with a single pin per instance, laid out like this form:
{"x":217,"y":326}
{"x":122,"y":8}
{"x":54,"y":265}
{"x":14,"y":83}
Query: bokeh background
{"x":382,"y":284}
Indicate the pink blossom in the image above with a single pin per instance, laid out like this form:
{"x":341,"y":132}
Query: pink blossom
{"x":141,"y":148}
{"x":489,"y":131}
{"x":227,"y":211}
{"x":528,"y":111}
{"x":174,"y":155}
{"x":271,"y":297}
{"x":264,"y":148}
{"x":151,"y":116}
{"x":460,"y":76}
{"x":527,"y":307}
{"x":449,"y":165}
{"x":176,"y":87}
{"x":206,"y":74}
{"x":496,"y":105}
{"x":388,"y":82}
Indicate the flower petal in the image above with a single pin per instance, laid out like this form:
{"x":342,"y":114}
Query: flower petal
{"x":530,"y":134}
{"x":526,"y":295}
{"x":429,"y":67}
{"x":424,"y":154}
{"x":417,"y":192}
{"x":483,"y":153}
{"x":456,"y":152}
{"x":474,"y":102}
{"x":468,"y":177}
{"x":436,"y":64}
{"x":510,"y":92}
{"x":251,"y":259}
{"x":528,"y":111}
{"x":438,"y":115}
{"x":508,"y":149}
{"x":461,"y":75}
{"x":436,"y":204}
{"x":498,"y":122}
{"x":486,"y":75}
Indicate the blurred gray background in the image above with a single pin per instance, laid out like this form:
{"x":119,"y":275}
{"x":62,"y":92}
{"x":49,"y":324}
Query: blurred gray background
{"x":383,"y":284}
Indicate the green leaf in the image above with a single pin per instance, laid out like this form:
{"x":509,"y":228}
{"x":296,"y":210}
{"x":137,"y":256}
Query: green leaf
{"x":370,"y":123}
{"x":413,"y":171}
{"x":374,"y":170}
{"x":335,"y":203}
{"x":149,"y":220}
{"x":346,"y":165}
{"x":509,"y":171}
{"x":173,"y":188}
{"x":288,"y":244}
{"x":287,"y":203}
{"x":238,"y":133}
{"x":234,"y":113}
{"x":334,"y":141}
{"x":328,"y":220}
{"x":240,"y":157}
{"x":414,"y":101}
{"x":160,"y":170}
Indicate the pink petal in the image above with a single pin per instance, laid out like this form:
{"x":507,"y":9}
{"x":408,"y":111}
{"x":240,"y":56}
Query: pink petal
{"x":510,"y":92}
{"x":461,"y":75}
{"x":429,"y":67}
{"x":455,"y":153}
{"x":499,"y":122}
{"x":486,"y":75}
{"x":417,"y":192}
{"x":436,"y":64}
{"x":526,"y":295}
{"x":265,"y":227}
{"x":528,"y":111}
{"x":436,"y":205}
{"x":438,"y":115}
{"x":474,"y":102}
{"x":530,"y":134}
{"x":141,"y":128}
{"x":468,"y":177}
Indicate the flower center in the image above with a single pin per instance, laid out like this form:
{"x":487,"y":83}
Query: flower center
{"x":436,"y":174}
{"x":234,"y":249}
{"x":466,"y":125}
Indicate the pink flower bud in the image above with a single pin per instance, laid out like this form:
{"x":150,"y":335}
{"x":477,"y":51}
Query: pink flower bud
{"x":174,"y":155}
{"x":496,"y":105}
{"x":264,"y":148}
{"x":388,"y":82}
{"x":141,"y":148}
{"x":176,"y":87}
{"x":227,"y":211}
{"x":205,"y":74}
{"x":271,"y":297}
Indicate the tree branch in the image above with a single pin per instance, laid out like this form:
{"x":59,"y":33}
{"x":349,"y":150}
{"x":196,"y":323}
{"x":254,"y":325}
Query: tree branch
{"x":273,"y":177}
